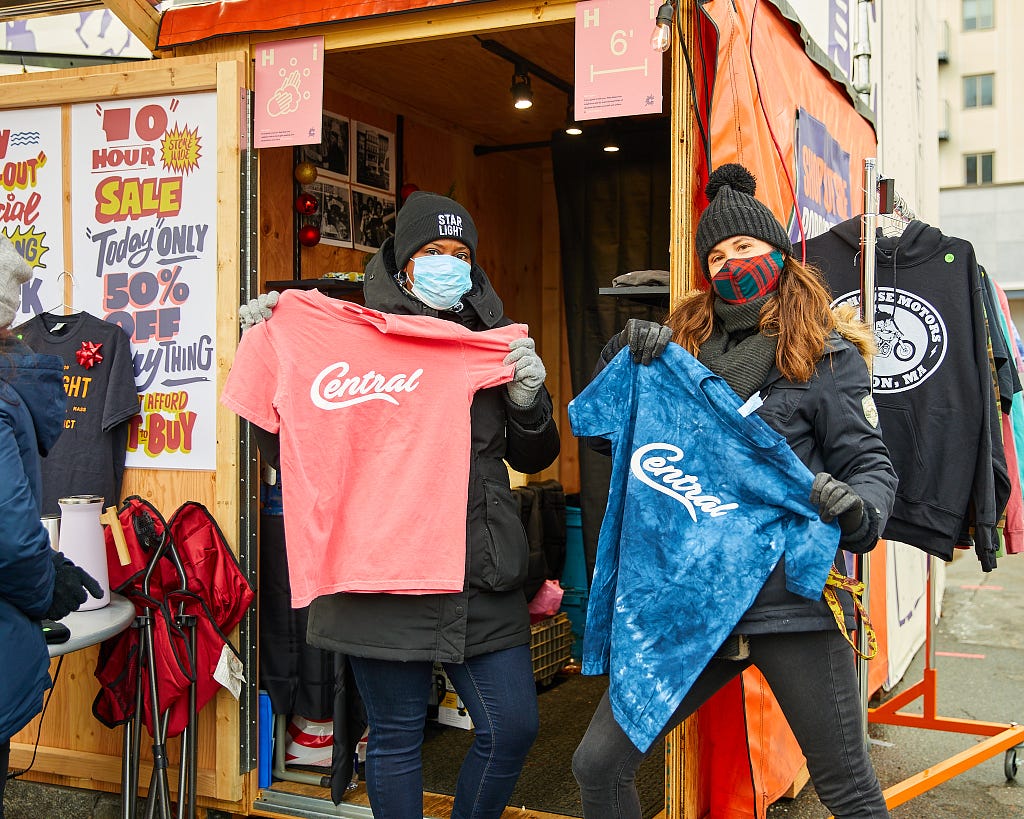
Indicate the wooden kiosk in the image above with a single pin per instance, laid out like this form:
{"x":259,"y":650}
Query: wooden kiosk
{"x":428,"y":77}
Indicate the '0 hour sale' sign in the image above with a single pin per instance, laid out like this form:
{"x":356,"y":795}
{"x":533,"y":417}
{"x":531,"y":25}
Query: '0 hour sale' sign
{"x":145,"y":251}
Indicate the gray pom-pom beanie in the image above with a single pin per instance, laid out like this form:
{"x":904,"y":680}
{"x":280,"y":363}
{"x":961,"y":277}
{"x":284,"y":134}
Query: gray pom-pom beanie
{"x":733,"y":211}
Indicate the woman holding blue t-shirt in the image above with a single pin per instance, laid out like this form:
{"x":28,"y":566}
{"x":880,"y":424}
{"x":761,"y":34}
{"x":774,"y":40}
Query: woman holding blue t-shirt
{"x":765,"y":326}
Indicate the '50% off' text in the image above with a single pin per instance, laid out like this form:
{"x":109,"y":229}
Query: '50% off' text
{"x":145,"y":304}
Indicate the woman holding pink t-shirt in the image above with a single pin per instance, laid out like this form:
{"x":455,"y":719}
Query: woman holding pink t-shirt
{"x":481,"y":635}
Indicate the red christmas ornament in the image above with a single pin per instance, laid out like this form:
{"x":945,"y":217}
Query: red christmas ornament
{"x":309,"y":235}
{"x":408,"y":189}
{"x":89,"y":354}
{"x":305,"y":173}
{"x":306,"y":204}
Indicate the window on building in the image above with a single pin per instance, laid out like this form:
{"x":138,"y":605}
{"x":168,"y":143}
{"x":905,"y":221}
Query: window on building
{"x":978,"y":14}
{"x":978,"y":90}
{"x":978,"y":169}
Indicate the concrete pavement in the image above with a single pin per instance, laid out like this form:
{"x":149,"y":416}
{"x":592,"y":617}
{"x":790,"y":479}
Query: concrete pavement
{"x":979,"y":644}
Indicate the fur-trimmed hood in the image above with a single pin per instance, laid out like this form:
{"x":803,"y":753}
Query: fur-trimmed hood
{"x":850,"y":327}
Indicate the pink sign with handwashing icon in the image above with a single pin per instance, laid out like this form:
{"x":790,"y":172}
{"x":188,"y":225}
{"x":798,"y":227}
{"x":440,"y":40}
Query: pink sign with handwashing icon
{"x":289,"y":92}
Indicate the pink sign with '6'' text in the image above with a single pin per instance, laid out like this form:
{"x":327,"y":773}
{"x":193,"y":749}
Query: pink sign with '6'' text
{"x":618,"y":74}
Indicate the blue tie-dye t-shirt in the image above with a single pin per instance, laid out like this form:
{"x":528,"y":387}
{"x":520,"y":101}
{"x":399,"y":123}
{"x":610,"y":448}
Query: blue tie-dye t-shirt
{"x":703,"y":504}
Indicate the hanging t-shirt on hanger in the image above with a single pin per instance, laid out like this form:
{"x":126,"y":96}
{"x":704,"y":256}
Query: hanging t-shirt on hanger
{"x":932,"y":382}
{"x":703,"y":504}
{"x":99,"y":379}
{"x":370,"y":406}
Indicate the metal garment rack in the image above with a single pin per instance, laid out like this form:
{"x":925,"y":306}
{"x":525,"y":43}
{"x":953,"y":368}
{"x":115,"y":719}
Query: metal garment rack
{"x":1002,"y":737}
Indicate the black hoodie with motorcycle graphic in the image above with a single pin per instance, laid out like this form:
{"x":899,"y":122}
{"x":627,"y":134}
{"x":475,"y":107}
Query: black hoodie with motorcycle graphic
{"x":933,"y":383}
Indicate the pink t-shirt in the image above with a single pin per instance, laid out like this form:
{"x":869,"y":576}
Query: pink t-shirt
{"x":373,"y":414}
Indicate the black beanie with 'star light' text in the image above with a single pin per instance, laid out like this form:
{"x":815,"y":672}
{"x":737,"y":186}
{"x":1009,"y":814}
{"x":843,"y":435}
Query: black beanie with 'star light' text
{"x":426,"y":217}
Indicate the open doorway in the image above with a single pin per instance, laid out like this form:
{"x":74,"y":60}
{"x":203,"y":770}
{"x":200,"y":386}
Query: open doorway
{"x":446,"y":111}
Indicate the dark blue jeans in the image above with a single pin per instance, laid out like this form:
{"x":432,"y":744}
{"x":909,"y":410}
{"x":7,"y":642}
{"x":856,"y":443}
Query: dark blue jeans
{"x":500,"y":694}
{"x":5,"y":760}
{"x":813,"y":676}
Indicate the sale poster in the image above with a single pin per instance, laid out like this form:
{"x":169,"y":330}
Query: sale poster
{"x":144,"y":242}
{"x":32,"y":207}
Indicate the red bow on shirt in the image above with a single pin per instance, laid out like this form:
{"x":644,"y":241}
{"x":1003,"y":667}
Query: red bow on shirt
{"x":89,"y":356}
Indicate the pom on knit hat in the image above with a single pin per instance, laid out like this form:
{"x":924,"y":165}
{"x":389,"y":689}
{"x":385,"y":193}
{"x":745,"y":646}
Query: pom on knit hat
{"x":14,"y":272}
{"x":426,"y":217}
{"x":733,"y":211}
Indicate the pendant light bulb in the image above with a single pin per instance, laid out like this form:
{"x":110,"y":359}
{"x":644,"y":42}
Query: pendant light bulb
{"x":661,"y":37}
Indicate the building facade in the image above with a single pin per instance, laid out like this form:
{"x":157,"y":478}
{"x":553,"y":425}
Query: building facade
{"x":981,"y":166}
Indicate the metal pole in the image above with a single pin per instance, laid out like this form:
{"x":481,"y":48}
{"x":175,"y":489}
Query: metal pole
{"x":869,"y":224}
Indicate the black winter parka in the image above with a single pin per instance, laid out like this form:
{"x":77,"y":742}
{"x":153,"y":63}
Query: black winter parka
{"x":490,"y":613}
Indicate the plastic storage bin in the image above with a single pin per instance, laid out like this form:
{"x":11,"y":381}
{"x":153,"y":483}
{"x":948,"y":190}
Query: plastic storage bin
{"x":574,"y":573}
{"x":574,"y":606}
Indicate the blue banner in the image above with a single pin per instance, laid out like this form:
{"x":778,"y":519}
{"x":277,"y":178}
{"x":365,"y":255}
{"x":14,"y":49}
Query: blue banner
{"x":822,"y":179}
{"x":839,"y":34}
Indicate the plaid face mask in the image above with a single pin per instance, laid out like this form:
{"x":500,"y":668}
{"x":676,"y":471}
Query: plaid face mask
{"x":741,"y":280}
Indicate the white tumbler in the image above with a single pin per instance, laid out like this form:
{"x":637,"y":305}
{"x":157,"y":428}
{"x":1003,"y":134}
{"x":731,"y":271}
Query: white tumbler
{"x":81,"y":541}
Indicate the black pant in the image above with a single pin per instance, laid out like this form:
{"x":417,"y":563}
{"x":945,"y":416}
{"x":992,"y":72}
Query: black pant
{"x":814,"y":678}
{"x":5,"y":760}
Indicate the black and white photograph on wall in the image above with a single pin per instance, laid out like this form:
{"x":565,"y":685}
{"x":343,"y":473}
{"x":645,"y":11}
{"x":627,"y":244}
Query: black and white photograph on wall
{"x":332,"y":155}
{"x":335,"y":212}
{"x":373,"y":218}
{"x":373,"y":157}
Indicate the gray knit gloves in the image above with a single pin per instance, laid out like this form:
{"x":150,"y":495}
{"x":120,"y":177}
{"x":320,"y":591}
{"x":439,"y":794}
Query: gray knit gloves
{"x":530,"y":372}
{"x":258,"y":309}
{"x":646,"y":339}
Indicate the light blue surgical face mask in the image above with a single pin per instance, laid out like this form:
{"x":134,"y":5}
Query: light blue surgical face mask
{"x":440,"y":281}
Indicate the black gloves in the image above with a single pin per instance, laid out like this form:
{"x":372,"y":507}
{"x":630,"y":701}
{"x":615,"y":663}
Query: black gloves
{"x":69,"y":588}
{"x":837,"y":500}
{"x":646,"y":339}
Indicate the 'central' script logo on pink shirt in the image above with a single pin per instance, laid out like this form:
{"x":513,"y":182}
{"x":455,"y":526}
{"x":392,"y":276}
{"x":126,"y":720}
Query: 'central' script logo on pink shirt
{"x":331,"y":386}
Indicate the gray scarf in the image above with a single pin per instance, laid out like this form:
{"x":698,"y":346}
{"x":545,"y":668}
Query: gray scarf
{"x":736,"y":350}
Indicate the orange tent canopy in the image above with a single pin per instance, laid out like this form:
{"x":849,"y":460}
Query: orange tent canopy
{"x":192,"y":24}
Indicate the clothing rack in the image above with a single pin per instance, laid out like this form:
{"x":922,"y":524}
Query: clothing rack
{"x":1002,"y":737}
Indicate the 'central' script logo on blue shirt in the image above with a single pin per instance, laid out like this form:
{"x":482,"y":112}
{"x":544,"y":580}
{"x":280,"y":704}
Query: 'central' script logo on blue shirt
{"x":674,"y":482}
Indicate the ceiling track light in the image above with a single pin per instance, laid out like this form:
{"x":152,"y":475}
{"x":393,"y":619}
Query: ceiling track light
{"x":572,"y":127}
{"x":522,"y":93}
{"x":609,"y":141}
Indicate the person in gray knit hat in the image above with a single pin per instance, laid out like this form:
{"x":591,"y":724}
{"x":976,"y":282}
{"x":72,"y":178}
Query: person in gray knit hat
{"x":37,"y":582}
{"x":764,"y":327}
{"x":734,"y":211}
{"x":482,"y":634}
{"x":14,"y":272}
